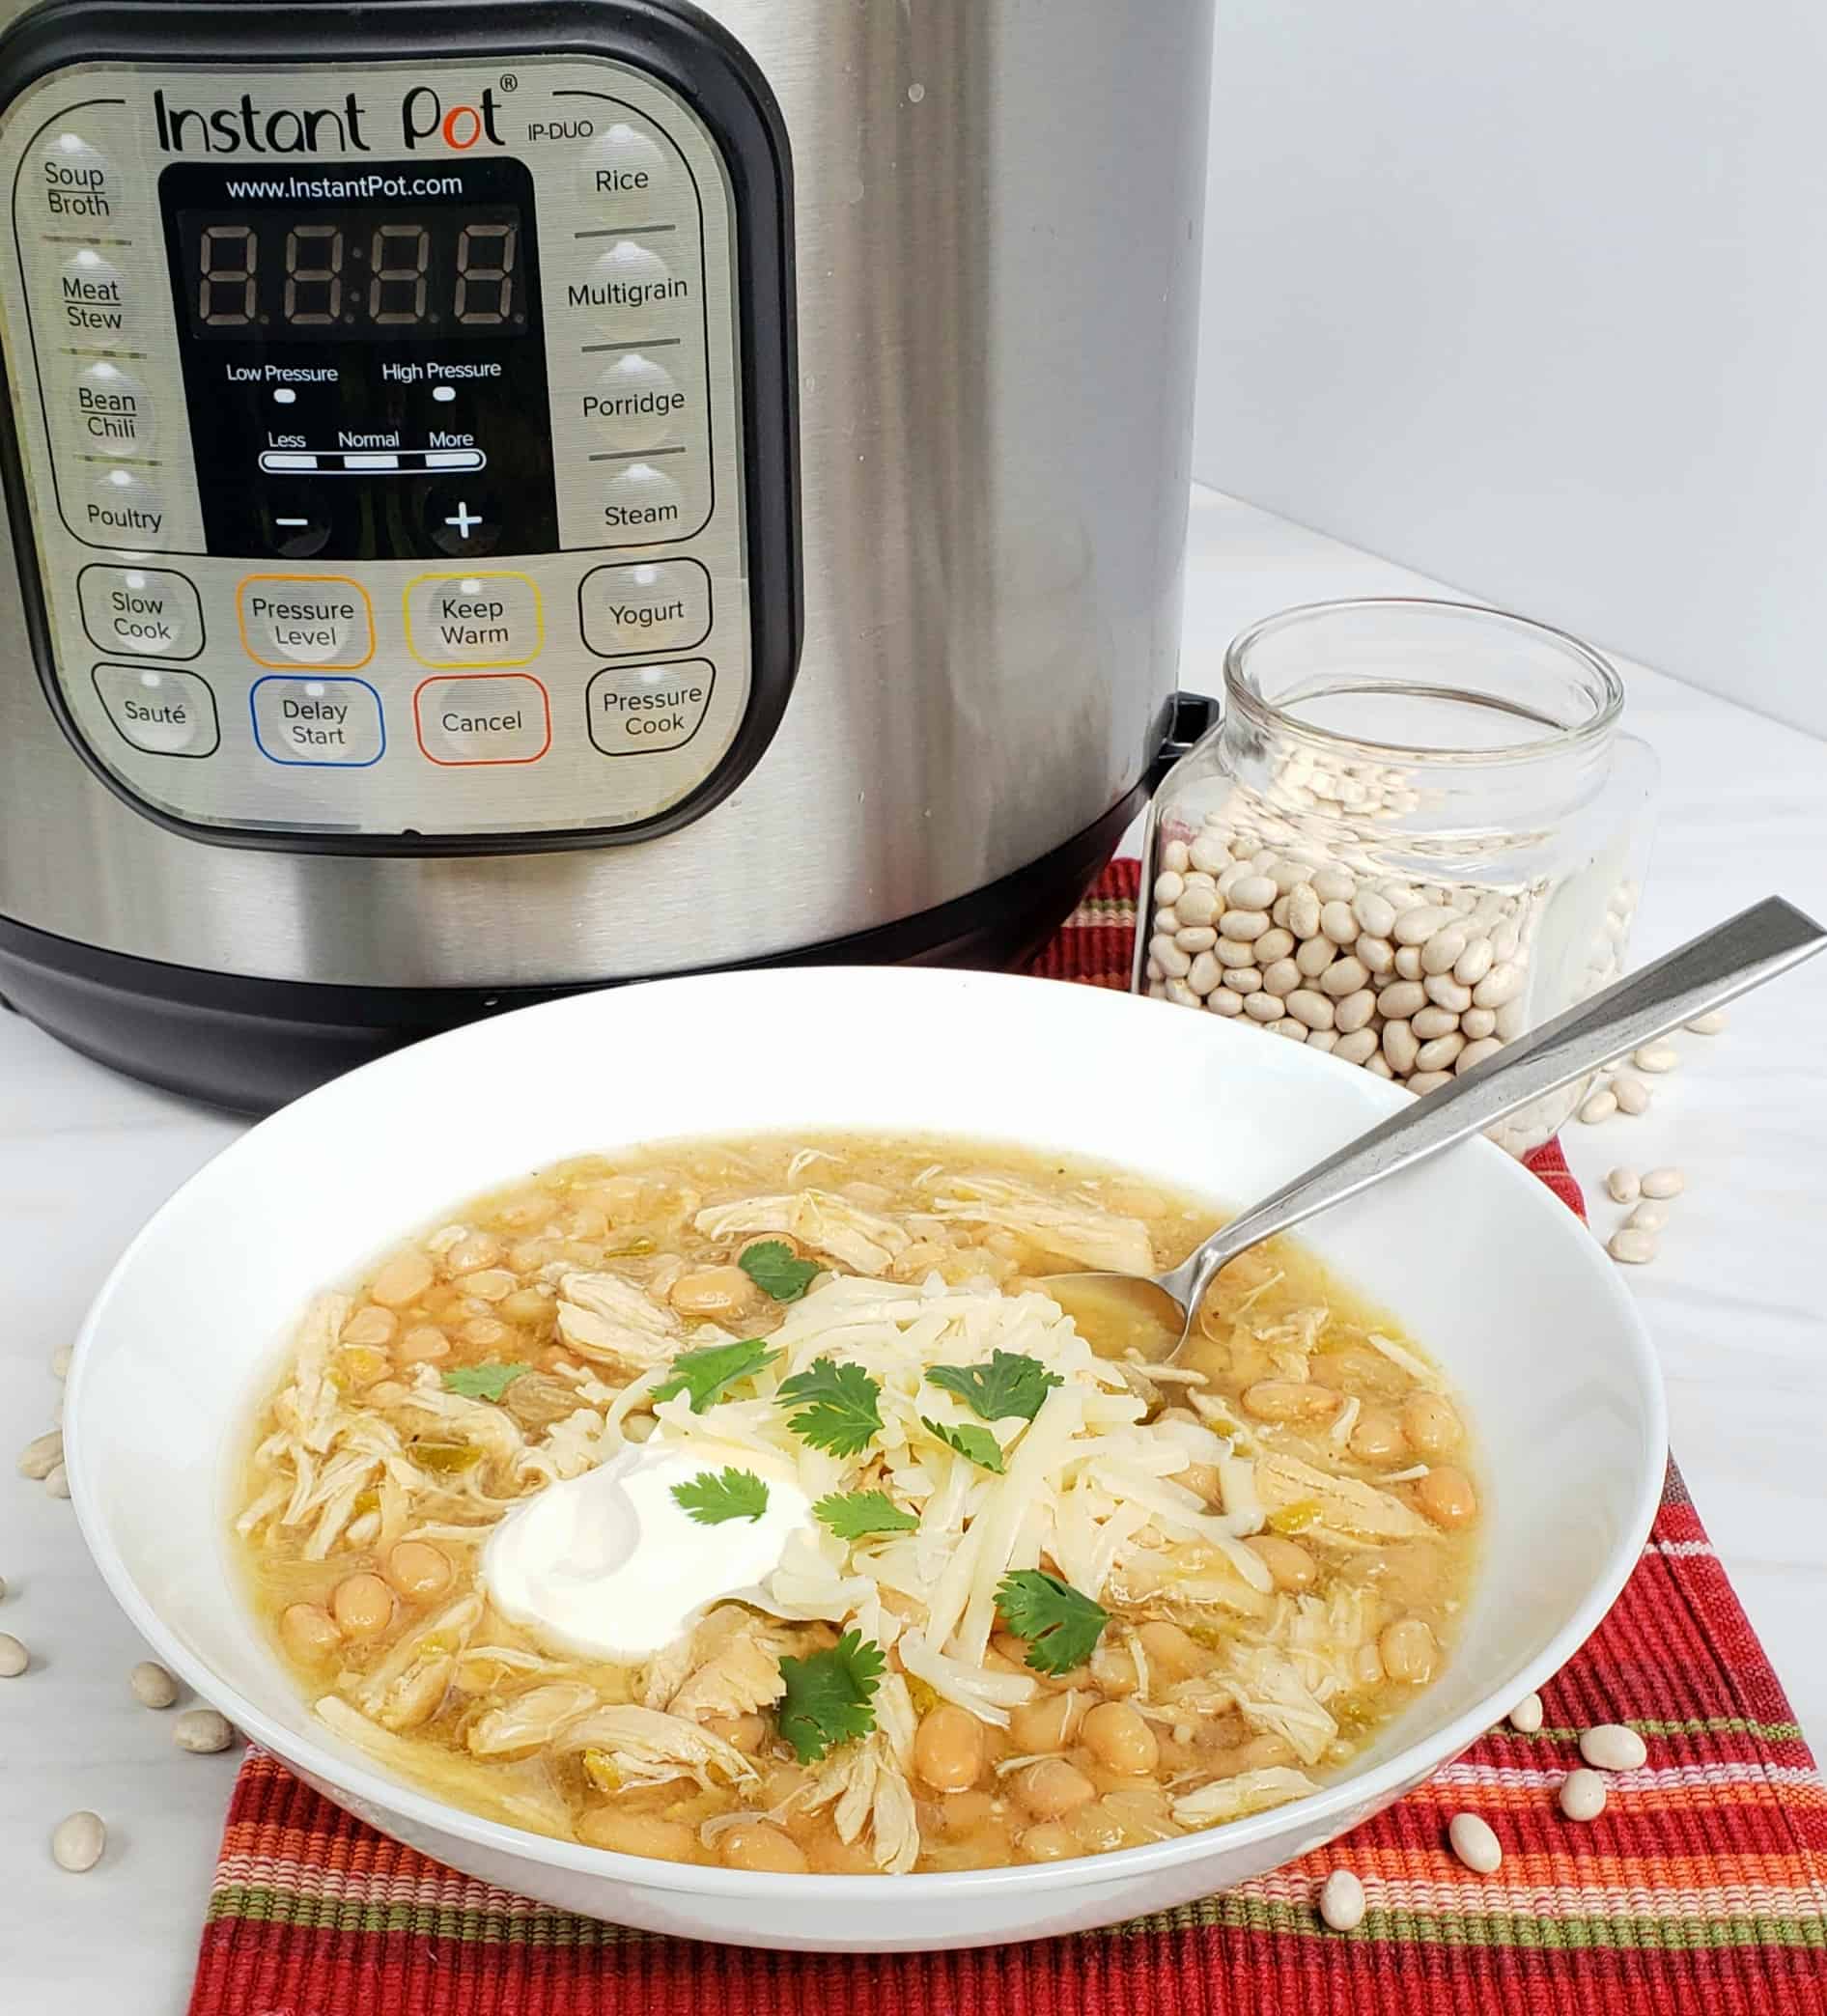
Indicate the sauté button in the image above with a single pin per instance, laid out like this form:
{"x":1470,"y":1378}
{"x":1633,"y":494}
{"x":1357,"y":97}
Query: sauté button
{"x":75,"y":180}
{"x":481,"y":717}
{"x":125,"y":509}
{"x":633,"y":406}
{"x":473,"y":618}
{"x":626,"y":176}
{"x":91,"y":298}
{"x":632,"y":293}
{"x":331,"y":722}
{"x":142,"y":610}
{"x":649,"y":606}
{"x":642,"y":505}
{"x":646,"y":710}
{"x":305,"y":620}
{"x":111,"y":410}
{"x":159,"y":710}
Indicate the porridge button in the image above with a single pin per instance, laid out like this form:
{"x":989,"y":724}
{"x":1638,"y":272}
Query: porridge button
{"x":653,"y":606}
{"x":159,"y":710}
{"x":305,"y":620}
{"x":331,"y":722}
{"x":646,"y":710}
{"x":144,"y":611}
{"x":479,"y":718}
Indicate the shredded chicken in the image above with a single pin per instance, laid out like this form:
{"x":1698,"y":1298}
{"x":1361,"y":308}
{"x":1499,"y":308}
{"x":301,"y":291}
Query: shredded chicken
{"x":736,"y":1675}
{"x":860,"y":1239}
{"x":1269,"y":1691}
{"x":642,"y":1747}
{"x":405,"y":1690}
{"x":530,"y":1720}
{"x":865,"y":1783}
{"x":1344,"y":1511}
{"x":603,"y":1317}
{"x":1248,"y":1792}
{"x":1081,"y":1232}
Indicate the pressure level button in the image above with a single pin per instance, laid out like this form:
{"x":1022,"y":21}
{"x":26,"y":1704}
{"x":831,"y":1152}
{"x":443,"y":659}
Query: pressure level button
{"x":305,"y":620}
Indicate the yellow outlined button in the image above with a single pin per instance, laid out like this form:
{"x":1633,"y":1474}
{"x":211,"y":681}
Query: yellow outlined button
{"x":481,"y":619}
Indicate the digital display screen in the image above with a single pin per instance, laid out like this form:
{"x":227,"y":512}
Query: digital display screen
{"x":328,"y":273}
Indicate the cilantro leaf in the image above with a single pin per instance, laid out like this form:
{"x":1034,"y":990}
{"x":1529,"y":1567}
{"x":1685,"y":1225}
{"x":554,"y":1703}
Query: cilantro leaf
{"x":712,"y":1497}
{"x":482,"y":1382}
{"x":856,"y":1515}
{"x":829,"y":1696}
{"x":707,"y":1375}
{"x":769,"y":1263}
{"x":978,"y":1443}
{"x":1062,"y":1627}
{"x":838,"y":1403}
{"x":1011,"y":1384}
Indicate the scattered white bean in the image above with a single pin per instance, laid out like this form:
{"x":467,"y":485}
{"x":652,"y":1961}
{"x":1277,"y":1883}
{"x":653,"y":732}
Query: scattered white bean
{"x":1582,"y":1795}
{"x":1632,"y":1094}
{"x":1709,"y":1025}
{"x":59,"y":1361}
{"x":201,"y":1731}
{"x":1634,"y":1247}
{"x":41,"y":1455}
{"x":1596,"y":1105}
{"x":57,"y":1481}
{"x":1656,"y":1057}
{"x":1625,"y":1185}
{"x":1611,"y":1747}
{"x":1475,"y":1844}
{"x":1342,"y":1901}
{"x":1647,"y":1217}
{"x":1526,"y":1716}
{"x":152,"y":1686}
{"x":1664,"y":1183}
{"x":14,"y":1657}
{"x":78,"y":1842}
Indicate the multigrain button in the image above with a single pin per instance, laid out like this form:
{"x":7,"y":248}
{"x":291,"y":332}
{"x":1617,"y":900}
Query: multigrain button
{"x":642,"y":505}
{"x":473,"y":618}
{"x":75,"y":180}
{"x":479,"y":718}
{"x":648,"y":605}
{"x":633,"y":406}
{"x":626,"y":176}
{"x":631,"y":293}
{"x":110,"y":409}
{"x":91,"y":298}
{"x":646,"y":710}
{"x":159,"y":710}
{"x":125,"y":509}
{"x":333,"y":723}
{"x":305,"y":620}
{"x":144,"y":611}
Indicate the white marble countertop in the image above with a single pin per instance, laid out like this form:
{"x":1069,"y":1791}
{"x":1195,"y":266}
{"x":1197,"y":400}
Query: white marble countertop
{"x":1733,"y":1304}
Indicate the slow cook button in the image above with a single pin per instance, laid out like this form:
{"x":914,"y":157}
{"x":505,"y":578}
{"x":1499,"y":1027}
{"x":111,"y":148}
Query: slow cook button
{"x":159,"y":710}
{"x":110,"y":411}
{"x":143,"y":611}
{"x":305,"y":620}
{"x":473,"y":618}
{"x":484,"y":717}
{"x":649,"y":606}
{"x":330,"y":722}
{"x":91,"y":298}
{"x":646,"y":710}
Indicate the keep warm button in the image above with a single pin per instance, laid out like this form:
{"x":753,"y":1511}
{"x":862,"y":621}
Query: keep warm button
{"x":646,"y":710}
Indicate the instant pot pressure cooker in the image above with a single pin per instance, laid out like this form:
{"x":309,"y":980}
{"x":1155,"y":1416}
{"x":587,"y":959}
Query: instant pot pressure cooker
{"x":513,"y":497}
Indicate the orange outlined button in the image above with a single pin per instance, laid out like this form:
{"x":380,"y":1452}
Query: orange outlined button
{"x":475,"y":717}
{"x":474,"y":617}
{"x":289,"y":620}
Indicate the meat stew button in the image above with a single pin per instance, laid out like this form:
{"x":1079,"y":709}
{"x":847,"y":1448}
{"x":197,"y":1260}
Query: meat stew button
{"x":647,"y":710}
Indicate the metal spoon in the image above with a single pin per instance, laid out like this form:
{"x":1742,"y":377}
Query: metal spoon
{"x":1752,"y":947}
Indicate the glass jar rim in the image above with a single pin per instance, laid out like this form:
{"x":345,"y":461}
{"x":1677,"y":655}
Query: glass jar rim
{"x":1606,"y":686}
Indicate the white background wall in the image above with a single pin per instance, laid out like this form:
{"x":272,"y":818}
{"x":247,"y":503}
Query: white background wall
{"x":1531,"y":295}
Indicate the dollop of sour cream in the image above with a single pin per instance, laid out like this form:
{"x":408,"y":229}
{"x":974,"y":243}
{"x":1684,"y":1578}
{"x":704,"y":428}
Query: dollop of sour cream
{"x":610,"y":1565}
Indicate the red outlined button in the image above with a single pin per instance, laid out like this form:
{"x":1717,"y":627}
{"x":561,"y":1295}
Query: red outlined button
{"x":467,"y":718}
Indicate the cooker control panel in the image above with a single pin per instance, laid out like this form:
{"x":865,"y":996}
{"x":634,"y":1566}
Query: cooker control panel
{"x":396,"y":443}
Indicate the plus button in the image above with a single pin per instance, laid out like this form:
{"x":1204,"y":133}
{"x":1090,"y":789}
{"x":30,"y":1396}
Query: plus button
{"x":464,"y":519}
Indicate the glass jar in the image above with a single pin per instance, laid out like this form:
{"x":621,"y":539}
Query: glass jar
{"x":1415,"y":832}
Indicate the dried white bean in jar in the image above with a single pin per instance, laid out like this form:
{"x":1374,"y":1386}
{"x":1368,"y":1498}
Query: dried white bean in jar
{"x":1221,"y":1001}
{"x":1264,"y":1007}
{"x":1399,"y":1046}
{"x":1582,"y":1795}
{"x":1344,"y":976}
{"x":1303,"y":911}
{"x":1635,"y":1248}
{"x":1195,"y":937}
{"x":1281,"y":976}
{"x":1231,"y":952}
{"x":1204,"y":973}
{"x":1475,"y":1055}
{"x":1500,"y":985}
{"x":1624,"y":1186}
{"x":1309,"y":1007}
{"x":1445,"y":991}
{"x":1656,"y":1057}
{"x":1198,"y":904}
{"x":1611,"y":1747}
{"x":1431,"y":1021}
{"x":1428,"y":1080}
{"x":153,"y":1685}
{"x":1326,"y":1040}
{"x":203,"y":1732}
{"x":1274,"y":943}
{"x":1377,"y":954}
{"x":1632,"y":1096}
{"x":1475,"y":1844}
{"x":1253,"y":892}
{"x":41,"y":1455}
{"x":1168,"y":956}
{"x":1439,"y":1054}
{"x":1402,"y":999}
{"x":1414,"y":927}
{"x":1243,"y":980}
{"x":1335,"y":885}
{"x":1359,"y":1046}
{"x":1243,"y":924}
{"x":1526,"y":1716}
{"x":1177,"y":856}
{"x":1664,"y":1183}
{"x":1338,"y":924}
{"x":1354,"y":1013}
{"x":1375,"y":914}
{"x":78,"y":1841}
{"x":14,"y":1657}
{"x":1478,"y":1024}
{"x":1408,"y":962}
{"x":1168,"y":885}
{"x":1286,"y":1025}
{"x":1179,"y":992}
{"x":1442,"y":952}
{"x":1474,"y":962}
{"x":1315,"y":955}
{"x":1342,"y":1901}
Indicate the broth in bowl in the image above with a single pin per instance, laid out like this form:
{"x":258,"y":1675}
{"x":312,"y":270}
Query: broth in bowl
{"x":747,"y":1504}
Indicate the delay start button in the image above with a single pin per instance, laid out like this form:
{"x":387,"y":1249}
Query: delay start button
{"x":647,"y":710}
{"x":305,"y":620}
{"x":330,"y":724}
{"x":477,"y":717}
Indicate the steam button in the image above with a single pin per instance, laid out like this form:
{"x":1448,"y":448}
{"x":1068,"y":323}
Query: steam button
{"x":626,"y":174}
{"x":642,"y":506}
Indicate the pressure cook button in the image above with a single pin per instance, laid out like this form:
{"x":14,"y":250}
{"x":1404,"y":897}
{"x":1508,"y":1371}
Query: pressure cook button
{"x":76,"y":182}
{"x":642,"y":505}
{"x":335,"y":723}
{"x":92,"y":298}
{"x":125,"y":509}
{"x":632,"y":293}
{"x":651,"y":606}
{"x":634,"y":406}
{"x":111,"y":410}
{"x":479,"y":718}
{"x":473,"y":618}
{"x":142,"y":610}
{"x":305,"y":620}
{"x":646,"y":710}
{"x":159,"y":710}
{"x":626,"y":174}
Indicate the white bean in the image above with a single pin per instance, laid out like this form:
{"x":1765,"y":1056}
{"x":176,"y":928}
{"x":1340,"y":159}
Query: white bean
{"x":1478,"y":1024}
{"x":1374,"y":912}
{"x":1423,"y":1081}
{"x":1222,"y":1001}
{"x":1475,"y":1844}
{"x":1281,"y":976}
{"x":1231,"y":877}
{"x":1337,"y":921}
{"x":1582,"y":1795}
{"x":1176,"y":857}
{"x":1314,"y":956}
{"x":1304,"y":909}
{"x":1445,"y":991}
{"x":1265,"y":1007}
{"x":1633,"y":1095}
{"x":201,"y":1731}
{"x":1253,"y":892}
{"x":1526,"y":1716}
{"x":14,"y":1657}
{"x":1500,"y":985}
{"x":1441,"y":1053}
{"x":1624,"y":1186}
{"x":1167,"y":887}
{"x":1203,"y":975}
{"x":1647,"y":1217}
{"x":1355,"y":1011}
{"x":1243,"y":980}
{"x":1598,"y":1106}
{"x":1180,"y":994}
{"x":1441,"y":953}
{"x":1208,"y":856}
{"x":1169,"y":958}
{"x":1358,"y":1047}
{"x":1511,"y":1018}
{"x":1474,"y":962}
{"x":153,"y":1685}
{"x":1408,"y":962}
{"x":1475,"y":1055}
{"x":1335,"y":885}
{"x":57,"y":1481}
{"x":1378,"y":1065}
{"x":1344,"y":976}
{"x":1286,"y":1025}
{"x":1431,"y":1021}
{"x":1195,"y":937}
{"x":1247,"y":925}
{"x":1197,"y":906}
{"x":78,"y":1842}
{"x":1311,"y":1008}
{"x":1633,"y":1248}
{"x":1399,"y":1046}
{"x":1664,"y":1183}
{"x":1326,"y":1040}
{"x":1288,"y":876}
{"x":1402,"y":999}
{"x":59,"y":1361}
{"x":1230,"y":952}
{"x":1709,"y":1025}
{"x":1377,"y":953}
{"x":1276,"y":943}
{"x":41,"y":1455}
{"x":1342,"y":1901}
{"x":1611,"y":1747}
{"x":1656,"y":1057}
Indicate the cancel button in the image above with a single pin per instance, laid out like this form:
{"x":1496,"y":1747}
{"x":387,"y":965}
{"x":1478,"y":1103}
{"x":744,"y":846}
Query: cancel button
{"x":483,"y":717}
{"x":646,"y":710}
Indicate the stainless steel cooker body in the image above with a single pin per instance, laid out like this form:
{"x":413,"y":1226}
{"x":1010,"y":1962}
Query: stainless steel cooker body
{"x":989,"y":218}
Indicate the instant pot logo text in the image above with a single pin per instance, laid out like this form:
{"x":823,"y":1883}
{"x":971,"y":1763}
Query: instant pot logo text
{"x":341,"y":126}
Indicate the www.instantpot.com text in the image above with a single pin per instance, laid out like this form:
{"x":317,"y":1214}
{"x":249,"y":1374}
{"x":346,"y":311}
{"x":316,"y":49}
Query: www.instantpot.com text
{"x":343,"y":188}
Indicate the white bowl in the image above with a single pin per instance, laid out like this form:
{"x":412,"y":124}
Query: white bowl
{"x":1475,"y":1255}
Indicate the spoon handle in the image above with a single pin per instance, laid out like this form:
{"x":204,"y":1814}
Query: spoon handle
{"x":1717,"y":966}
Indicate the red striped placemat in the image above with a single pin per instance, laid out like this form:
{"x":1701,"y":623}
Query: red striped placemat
{"x":1702,"y":1887}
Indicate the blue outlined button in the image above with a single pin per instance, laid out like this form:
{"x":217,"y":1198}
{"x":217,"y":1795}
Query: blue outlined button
{"x":325,"y":723}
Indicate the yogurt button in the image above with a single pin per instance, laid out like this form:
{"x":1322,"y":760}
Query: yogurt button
{"x":652,"y":605}
{"x":111,"y":410}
